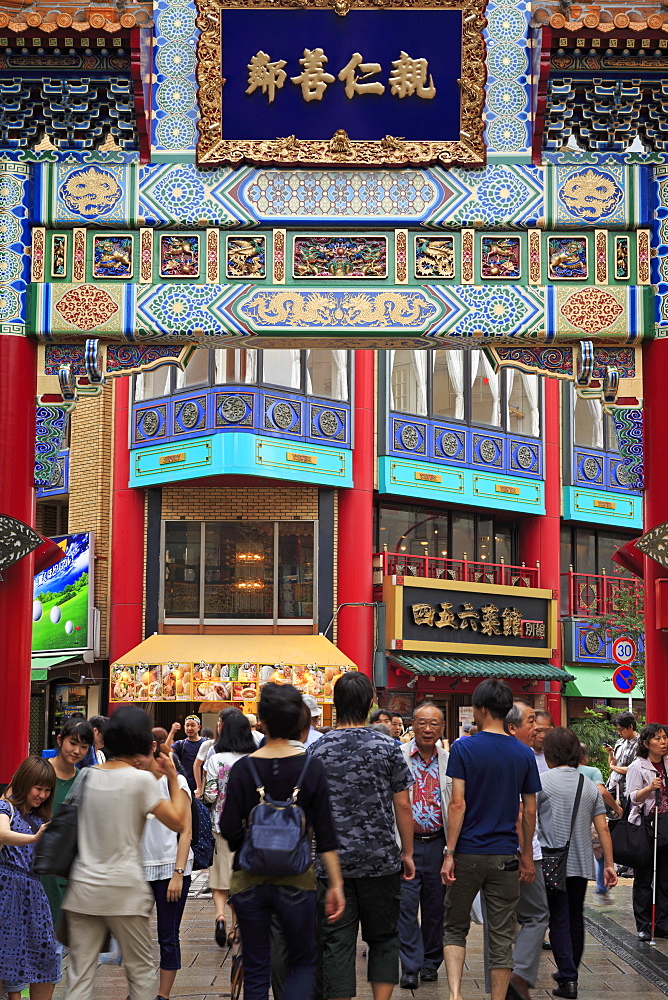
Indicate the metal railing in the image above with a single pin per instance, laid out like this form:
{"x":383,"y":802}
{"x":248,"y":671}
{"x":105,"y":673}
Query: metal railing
{"x":595,"y":593}
{"x":465,"y":570}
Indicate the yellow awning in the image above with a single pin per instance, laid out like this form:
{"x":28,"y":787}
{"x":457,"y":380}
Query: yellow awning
{"x":287,"y":649}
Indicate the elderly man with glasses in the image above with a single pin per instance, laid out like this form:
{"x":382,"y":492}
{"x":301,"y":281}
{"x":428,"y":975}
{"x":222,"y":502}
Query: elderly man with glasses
{"x":421,"y":944}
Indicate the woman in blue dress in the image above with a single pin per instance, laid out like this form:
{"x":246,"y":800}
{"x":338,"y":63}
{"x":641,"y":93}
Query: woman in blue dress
{"x":27,"y":946}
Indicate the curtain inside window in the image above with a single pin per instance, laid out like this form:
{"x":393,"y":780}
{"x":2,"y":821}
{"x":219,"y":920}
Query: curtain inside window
{"x":419,"y":365}
{"x":340,"y":375}
{"x":494,"y":382}
{"x":596,"y":411}
{"x":455,"y":362}
{"x":390,"y":371}
{"x":530,"y":383}
{"x":151,"y":385}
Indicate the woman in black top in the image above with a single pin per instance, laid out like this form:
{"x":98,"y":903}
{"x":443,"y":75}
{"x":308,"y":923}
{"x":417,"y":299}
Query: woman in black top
{"x":292,"y":899}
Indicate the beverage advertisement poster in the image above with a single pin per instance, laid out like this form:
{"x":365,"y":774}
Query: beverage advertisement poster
{"x":63,"y":598}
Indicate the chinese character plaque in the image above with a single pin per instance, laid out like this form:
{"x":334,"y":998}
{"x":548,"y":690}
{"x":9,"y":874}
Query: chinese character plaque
{"x":352,"y":84}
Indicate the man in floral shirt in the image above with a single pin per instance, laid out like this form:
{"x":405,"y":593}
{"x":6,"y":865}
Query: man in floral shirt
{"x":421,"y":944}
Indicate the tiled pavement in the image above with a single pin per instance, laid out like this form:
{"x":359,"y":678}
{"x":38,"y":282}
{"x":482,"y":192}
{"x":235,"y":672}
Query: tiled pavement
{"x":205,"y":973}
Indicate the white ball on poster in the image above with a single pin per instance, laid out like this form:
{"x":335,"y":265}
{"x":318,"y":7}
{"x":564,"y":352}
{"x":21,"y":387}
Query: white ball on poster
{"x":69,"y":627}
{"x":55,"y":615}
{"x":36,"y":610}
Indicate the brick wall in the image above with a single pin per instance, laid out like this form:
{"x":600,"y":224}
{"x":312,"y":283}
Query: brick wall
{"x":208,"y":501}
{"x":91,"y":455}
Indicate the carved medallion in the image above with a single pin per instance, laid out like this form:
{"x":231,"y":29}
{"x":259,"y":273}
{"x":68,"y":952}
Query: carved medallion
{"x":233,"y":409}
{"x":525,"y":457}
{"x":410,"y":437}
{"x":591,"y":468}
{"x":328,"y":423}
{"x":450,"y":444}
{"x":283,"y":415}
{"x":189,"y":415}
{"x":591,"y":642}
{"x":150,"y":423}
{"x":487,"y":450}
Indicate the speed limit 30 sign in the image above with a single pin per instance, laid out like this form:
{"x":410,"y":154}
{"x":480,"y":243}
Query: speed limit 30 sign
{"x":624,"y":650}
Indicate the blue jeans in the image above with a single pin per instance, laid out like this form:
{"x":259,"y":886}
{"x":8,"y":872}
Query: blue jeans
{"x":169,"y":921}
{"x":601,"y":887}
{"x":295,"y":909}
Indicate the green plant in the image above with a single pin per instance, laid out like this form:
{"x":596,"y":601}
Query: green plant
{"x":595,"y":730}
{"x":625,"y":618}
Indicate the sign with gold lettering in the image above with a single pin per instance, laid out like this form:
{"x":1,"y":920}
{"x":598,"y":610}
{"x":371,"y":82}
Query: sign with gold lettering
{"x":350,"y":84}
{"x":453,"y":616}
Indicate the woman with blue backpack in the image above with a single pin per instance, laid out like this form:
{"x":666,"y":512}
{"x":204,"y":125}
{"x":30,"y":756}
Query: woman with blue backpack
{"x":235,"y":740}
{"x":277,"y":797}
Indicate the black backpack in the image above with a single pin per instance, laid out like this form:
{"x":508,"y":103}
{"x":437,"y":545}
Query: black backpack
{"x":276,"y":842}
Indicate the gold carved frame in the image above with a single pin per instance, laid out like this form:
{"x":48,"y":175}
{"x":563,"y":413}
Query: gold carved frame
{"x":340,"y":151}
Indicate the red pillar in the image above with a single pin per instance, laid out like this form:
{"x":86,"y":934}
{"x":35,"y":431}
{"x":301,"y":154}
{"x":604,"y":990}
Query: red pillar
{"x":540,"y":535}
{"x":18,"y":386}
{"x":655,"y":358}
{"x":127,"y":539}
{"x":355,"y":635}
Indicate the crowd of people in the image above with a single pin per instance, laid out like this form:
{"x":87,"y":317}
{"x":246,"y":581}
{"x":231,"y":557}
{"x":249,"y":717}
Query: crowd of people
{"x":313,"y":835}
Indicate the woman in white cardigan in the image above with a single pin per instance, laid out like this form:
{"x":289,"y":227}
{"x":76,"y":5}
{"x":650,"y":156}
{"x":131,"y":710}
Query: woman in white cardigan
{"x":646,"y":788}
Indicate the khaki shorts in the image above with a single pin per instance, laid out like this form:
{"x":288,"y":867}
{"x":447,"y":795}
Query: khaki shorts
{"x":220,"y":871}
{"x":501,"y":892}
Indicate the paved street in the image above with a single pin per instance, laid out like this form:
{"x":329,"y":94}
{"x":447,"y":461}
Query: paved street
{"x":205,"y":974}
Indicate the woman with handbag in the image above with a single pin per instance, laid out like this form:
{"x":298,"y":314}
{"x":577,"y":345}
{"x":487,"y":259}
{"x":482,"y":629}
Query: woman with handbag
{"x":291,"y":778}
{"x":113,"y":805}
{"x":567,"y":806}
{"x":27,"y":945}
{"x":646,"y":788}
{"x":235,"y":740}
{"x":168,"y":865}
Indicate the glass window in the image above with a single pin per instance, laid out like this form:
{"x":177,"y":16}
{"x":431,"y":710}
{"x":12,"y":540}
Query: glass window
{"x":522,"y":394}
{"x":152,"y":385}
{"x":608,"y":544}
{"x":485,"y":391}
{"x":197,"y":370}
{"x":463,"y":536}
{"x":485,"y":549}
{"x":239,"y":570}
{"x":587,"y":422}
{"x":182,"y":568}
{"x":448,"y":384}
{"x":327,"y":374}
{"x":235,"y":366}
{"x":408,"y":384}
{"x":282,"y":368}
{"x":611,"y":442}
{"x":503,"y":544}
{"x":295,"y":569}
{"x":585,"y":552}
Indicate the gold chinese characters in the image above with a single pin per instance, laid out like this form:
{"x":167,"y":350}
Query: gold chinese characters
{"x":488,"y":620}
{"x":408,"y":77}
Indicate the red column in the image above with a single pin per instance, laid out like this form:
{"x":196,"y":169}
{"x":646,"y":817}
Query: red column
{"x":655,"y":358}
{"x":127,"y":539}
{"x":355,"y":635}
{"x":540,"y":535}
{"x":18,"y":386}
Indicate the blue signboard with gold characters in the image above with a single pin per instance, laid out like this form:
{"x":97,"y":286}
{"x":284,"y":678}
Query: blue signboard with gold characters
{"x":350,"y":84}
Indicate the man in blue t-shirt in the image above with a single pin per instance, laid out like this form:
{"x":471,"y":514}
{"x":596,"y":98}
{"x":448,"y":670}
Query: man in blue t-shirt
{"x":490,"y":773}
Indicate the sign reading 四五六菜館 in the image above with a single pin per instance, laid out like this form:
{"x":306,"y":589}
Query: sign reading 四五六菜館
{"x":372,"y":87}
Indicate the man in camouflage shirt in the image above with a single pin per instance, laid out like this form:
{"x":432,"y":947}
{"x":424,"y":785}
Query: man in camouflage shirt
{"x":368,"y":781}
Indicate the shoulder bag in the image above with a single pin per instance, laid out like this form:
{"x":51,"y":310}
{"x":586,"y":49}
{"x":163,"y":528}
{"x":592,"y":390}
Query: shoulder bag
{"x":555,"y":859}
{"x":276,"y":841}
{"x":631,"y":842}
{"x":56,"y":850}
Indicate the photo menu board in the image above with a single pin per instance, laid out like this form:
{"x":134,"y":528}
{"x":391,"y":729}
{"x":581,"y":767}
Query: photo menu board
{"x":217,"y":682}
